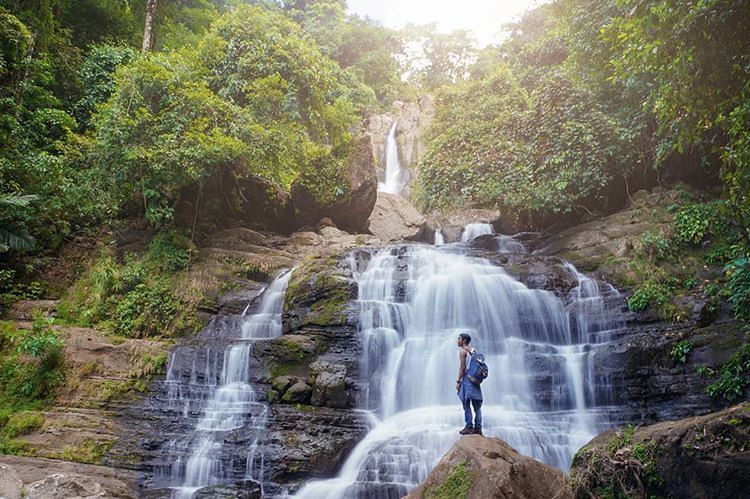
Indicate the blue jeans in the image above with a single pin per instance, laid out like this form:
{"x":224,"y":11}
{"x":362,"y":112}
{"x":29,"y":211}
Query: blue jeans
{"x":477,"y":404}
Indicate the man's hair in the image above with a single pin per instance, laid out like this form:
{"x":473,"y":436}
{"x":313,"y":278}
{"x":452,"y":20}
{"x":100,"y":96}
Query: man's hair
{"x":465,"y":338}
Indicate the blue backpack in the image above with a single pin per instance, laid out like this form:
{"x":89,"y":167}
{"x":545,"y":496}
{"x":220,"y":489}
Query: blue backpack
{"x":478,"y":370}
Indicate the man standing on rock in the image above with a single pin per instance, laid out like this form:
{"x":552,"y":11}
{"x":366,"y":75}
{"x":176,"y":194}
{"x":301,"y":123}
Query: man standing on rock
{"x":469,"y":393}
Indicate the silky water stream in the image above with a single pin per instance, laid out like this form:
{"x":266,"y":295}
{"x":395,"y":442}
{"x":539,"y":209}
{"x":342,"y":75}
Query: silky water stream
{"x":210,"y":383}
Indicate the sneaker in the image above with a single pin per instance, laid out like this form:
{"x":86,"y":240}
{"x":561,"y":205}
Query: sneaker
{"x":477,"y":431}
{"x":467,"y":431}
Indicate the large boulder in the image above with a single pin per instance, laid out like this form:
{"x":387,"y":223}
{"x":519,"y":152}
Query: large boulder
{"x":350,"y":211}
{"x":227,"y":200}
{"x":479,"y":467}
{"x":11,"y":487}
{"x":700,"y":457}
{"x":394,"y":218}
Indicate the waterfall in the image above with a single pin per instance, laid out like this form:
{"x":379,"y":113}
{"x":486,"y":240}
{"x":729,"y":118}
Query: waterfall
{"x":394,"y":181}
{"x":475,"y":230}
{"x":223,"y":396}
{"x":439,"y":239}
{"x":541,"y":396}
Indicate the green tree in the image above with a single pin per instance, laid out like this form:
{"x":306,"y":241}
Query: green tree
{"x":435,"y":59}
{"x":253,"y":97}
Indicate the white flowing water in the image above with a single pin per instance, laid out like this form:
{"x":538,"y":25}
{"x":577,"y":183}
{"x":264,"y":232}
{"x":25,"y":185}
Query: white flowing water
{"x":472,"y":231}
{"x":439,"y":239}
{"x":541,"y":396}
{"x":394,"y":175}
{"x":229,"y":405}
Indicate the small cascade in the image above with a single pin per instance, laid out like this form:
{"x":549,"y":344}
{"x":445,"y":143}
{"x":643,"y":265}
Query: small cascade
{"x":507,"y":244}
{"x":394,"y":175}
{"x":596,"y":311}
{"x":212,"y":381}
{"x":439,"y":239}
{"x":543,"y":396}
{"x":474,"y":230}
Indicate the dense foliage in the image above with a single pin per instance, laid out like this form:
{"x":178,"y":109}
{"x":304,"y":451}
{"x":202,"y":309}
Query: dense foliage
{"x":91,"y":130}
{"x":610,"y":86}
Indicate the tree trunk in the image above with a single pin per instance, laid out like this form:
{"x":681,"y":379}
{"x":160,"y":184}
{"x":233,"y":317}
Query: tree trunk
{"x":148,"y":26}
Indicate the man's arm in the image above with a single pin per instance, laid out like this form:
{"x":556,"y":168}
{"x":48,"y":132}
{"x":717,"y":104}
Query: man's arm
{"x":461,"y":368}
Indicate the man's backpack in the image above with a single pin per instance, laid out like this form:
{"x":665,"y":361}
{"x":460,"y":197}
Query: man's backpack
{"x":478,"y":370}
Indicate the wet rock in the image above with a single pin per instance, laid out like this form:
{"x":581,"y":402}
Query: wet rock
{"x":649,"y":385}
{"x":706,"y":456}
{"x":308,"y":442}
{"x":282,"y":383}
{"x":478,"y":467}
{"x":320,"y":293}
{"x":329,"y":385}
{"x":352,"y":211}
{"x":298,"y":393}
{"x":249,"y":489}
{"x":10,"y":485}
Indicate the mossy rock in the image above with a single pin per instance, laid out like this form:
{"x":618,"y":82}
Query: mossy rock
{"x":319,"y":294}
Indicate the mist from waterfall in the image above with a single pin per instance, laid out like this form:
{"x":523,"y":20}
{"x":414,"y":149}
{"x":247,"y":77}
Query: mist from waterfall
{"x":542,"y":396}
{"x":219,"y":387}
{"x":394,"y":175}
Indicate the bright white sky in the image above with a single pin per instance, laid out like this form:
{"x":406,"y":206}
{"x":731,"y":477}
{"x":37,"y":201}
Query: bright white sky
{"x":483,"y":17}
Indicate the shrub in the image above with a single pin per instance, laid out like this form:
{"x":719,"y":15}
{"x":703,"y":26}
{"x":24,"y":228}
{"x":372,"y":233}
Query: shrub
{"x":692,"y":222}
{"x":23,"y":423}
{"x":654,"y":247}
{"x":31,"y":365}
{"x":732,"y":377}
{"x":651,"y":292}
{"x":146,"y":310}
{"x":680,"y":351}
{"x":737,"y":287}
{"x":169,"y":251}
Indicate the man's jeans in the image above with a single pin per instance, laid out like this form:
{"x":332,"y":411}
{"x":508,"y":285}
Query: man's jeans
{"x":477,"y":404}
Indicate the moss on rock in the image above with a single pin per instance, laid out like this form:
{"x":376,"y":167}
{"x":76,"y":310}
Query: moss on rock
{"x":456,"y":484}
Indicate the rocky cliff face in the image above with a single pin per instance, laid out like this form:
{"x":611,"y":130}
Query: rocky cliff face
{"x":413,"y":119}
{"x":306,"y":378}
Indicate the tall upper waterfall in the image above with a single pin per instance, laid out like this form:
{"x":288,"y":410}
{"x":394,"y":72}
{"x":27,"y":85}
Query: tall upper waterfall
{"x":217,"y":387}
{"x":542,"y":395}
{"x":394,"y":175}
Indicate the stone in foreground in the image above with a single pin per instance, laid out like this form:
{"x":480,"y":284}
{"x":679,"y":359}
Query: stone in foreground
{"x":479,"y":467}
{"x":704,"y":456}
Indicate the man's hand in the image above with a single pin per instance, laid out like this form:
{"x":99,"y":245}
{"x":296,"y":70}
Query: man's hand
{"x":458,"y":386}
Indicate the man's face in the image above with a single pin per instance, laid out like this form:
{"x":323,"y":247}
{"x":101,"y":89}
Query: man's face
{"x":459,"y":341}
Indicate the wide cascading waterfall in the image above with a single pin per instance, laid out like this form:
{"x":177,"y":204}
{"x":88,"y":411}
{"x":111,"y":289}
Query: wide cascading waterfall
{"x":394,"y":175}
{"x":541,"y":396}
{"x":215,"y":384}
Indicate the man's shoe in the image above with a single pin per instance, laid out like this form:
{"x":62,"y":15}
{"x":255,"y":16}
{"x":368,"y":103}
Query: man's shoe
{"x":467,"y":431}
{"x":477,"y":431}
